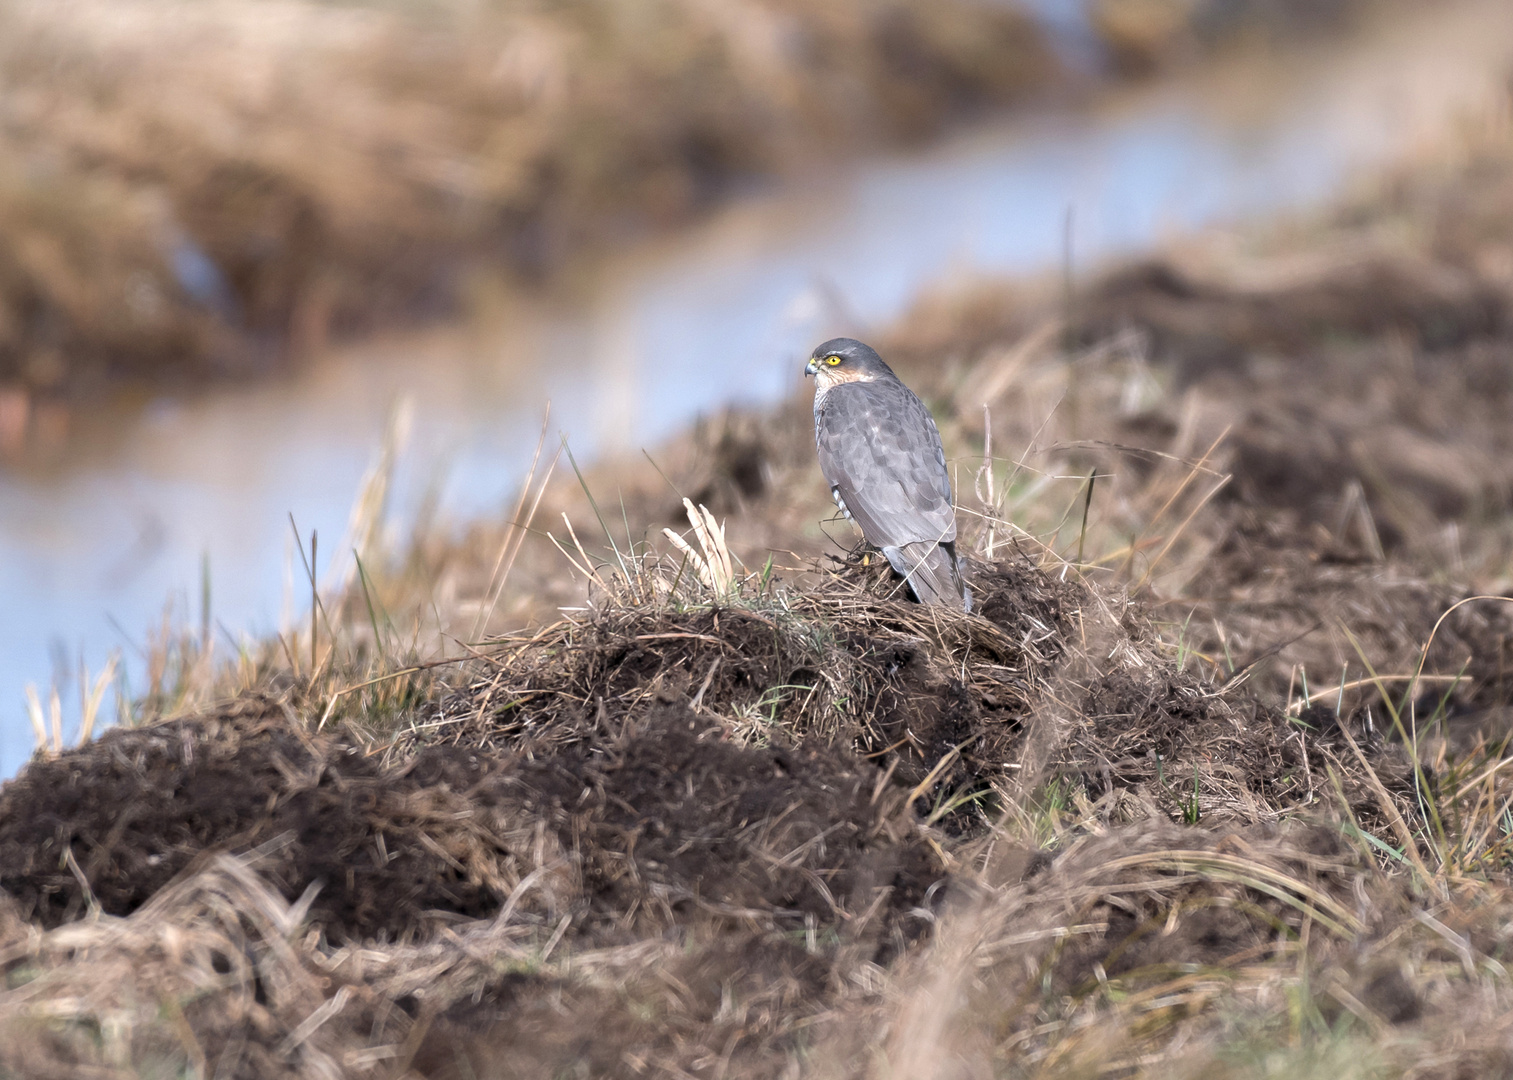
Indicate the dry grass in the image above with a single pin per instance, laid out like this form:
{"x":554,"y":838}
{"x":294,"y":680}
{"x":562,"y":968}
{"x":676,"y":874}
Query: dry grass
{"x":1214,"y":783}
{"x":1076,"y":927}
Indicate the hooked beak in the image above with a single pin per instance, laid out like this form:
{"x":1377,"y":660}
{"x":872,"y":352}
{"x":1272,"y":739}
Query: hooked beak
{"x":810,"y":369}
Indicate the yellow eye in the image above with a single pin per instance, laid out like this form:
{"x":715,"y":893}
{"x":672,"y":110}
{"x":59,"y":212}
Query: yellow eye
{"x":832,"y":360}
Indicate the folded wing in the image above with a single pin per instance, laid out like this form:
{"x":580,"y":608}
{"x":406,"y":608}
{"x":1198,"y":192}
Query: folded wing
{"x":881,"y":452}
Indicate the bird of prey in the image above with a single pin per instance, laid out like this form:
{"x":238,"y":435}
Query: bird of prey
{"x":880,"y":452}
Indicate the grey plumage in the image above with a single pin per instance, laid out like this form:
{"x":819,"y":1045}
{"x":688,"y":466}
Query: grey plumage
{"x":880,"y":451}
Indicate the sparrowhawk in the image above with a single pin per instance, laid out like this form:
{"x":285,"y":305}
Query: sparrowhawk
{"x":880,"y":452}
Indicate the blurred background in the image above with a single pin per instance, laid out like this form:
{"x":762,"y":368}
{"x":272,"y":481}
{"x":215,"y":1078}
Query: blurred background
{"x":284,"y":267}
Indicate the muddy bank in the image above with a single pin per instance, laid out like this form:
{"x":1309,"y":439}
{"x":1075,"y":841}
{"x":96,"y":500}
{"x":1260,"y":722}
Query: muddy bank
{"x":209,"y":192}
{"x":212,"y":193}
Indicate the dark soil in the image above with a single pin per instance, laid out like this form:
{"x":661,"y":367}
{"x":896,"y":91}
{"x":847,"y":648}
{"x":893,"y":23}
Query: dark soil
{"x":137,"y":807}
{"x":881,"y":682}
{"x":672,"y":823}
{"x":662,"y":825}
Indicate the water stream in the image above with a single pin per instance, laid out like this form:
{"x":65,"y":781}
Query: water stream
{"x":124,"y":517}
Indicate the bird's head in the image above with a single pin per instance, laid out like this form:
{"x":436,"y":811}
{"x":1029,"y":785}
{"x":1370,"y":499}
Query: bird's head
{"x":841,"y":360}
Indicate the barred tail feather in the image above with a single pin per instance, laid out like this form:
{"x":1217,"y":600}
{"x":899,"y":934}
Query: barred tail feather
{"x":933,"y":572}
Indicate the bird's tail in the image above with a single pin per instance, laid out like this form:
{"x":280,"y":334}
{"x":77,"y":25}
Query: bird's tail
{"x":933,"y":572}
